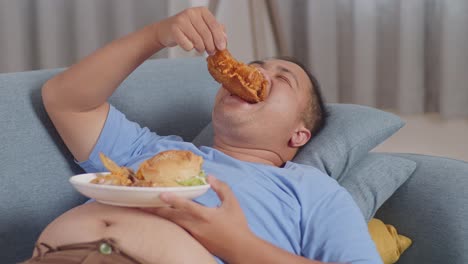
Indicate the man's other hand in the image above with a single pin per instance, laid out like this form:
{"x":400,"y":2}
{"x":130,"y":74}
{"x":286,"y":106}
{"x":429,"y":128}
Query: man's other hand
{"x":217,"y":229}
{"x":193,"y":28}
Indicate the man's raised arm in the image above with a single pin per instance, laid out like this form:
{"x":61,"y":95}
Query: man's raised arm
{"x":76,"y":99}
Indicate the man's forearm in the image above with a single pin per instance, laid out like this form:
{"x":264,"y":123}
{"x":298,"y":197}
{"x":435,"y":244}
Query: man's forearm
{"x":89,"y":83}
{"x":253,"y":250}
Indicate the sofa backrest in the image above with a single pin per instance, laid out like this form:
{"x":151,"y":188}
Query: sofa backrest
{"x":34,"y":163}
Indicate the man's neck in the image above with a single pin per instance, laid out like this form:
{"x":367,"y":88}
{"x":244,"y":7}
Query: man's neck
{"x":249,"y":154}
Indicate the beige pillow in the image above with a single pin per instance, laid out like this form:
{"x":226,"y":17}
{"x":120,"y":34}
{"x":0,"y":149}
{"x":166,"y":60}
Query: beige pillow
{"x":389,"y":243}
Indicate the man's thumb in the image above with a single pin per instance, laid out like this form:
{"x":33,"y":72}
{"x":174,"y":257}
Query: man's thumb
{"x":222,"y":189}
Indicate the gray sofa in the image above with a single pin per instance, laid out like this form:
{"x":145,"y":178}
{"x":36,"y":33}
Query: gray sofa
{"x":431,"y":207}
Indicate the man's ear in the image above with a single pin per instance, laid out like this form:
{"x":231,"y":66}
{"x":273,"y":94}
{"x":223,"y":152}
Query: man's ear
{"x":300,"y":137}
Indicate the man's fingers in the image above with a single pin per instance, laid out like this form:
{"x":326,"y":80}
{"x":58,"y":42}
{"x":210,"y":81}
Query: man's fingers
{"x":181,"y":39}
{"x":225,"y":194}
{"x":216,"y":29}
{"x":203,"y":30}
{"x":222,"y":189}
{"x":192,"y":34}
{"x":224,"y":32}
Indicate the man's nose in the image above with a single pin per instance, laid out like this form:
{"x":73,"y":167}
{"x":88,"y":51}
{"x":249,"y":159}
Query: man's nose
{"x":267,"y":76}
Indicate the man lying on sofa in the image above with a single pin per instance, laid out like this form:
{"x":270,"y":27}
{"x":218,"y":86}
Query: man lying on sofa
{"x":264,"y":208}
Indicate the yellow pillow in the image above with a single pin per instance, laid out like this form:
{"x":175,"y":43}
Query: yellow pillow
{"x":388,"y":242}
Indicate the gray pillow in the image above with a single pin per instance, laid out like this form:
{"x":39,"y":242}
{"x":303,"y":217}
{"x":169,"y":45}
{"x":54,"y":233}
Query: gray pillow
{"x":350,"y":133}
{"x":373,"y":179}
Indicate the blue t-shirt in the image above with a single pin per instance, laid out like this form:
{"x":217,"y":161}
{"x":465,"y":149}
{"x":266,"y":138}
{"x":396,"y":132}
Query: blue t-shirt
{"x":297,"y":208}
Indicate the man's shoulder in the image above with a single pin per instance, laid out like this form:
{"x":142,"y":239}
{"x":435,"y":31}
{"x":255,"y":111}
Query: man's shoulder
{"x":310,"y":174}
{"x":312,"y":185}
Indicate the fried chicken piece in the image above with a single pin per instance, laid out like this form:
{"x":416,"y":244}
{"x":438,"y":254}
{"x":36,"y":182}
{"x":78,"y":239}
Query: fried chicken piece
{"x":240,"y":79}
{"x":118,"y":175}
{"x":112,"y":179}
{"x":169,"y":168}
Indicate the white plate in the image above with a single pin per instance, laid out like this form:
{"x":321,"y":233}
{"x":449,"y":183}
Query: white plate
{"x":130,"y":196}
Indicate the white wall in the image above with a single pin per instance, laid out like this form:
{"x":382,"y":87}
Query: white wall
{"x":430,"y":134}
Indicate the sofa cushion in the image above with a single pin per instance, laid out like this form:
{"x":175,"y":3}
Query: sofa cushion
{"x":372,"y":180}
{"x":431,"y":207}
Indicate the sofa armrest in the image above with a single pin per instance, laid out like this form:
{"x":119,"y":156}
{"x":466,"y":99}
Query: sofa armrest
{"x":432,"y":209}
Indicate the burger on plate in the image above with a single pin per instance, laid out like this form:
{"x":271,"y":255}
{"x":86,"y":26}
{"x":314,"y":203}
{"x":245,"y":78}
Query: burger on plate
{"x":172,"y":168}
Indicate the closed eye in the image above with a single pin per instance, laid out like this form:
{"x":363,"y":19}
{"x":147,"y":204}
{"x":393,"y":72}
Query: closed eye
{"x":284,"y":78}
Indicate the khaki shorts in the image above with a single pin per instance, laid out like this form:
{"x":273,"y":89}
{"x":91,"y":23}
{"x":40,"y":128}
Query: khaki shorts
{"x":104,"y":251}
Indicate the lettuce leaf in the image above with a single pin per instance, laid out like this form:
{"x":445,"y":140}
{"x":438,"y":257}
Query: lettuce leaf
{"x":200,"y":179}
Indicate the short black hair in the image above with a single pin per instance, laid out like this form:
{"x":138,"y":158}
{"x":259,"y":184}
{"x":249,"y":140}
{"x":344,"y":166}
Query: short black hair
{"x":315,"y":114}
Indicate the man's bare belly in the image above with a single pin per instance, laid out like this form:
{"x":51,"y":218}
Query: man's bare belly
{"x":139,"y":234}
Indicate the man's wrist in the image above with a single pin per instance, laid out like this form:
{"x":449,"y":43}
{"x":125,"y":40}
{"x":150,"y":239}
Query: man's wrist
{"x":155,"y":29}
{"x":243,"y":247}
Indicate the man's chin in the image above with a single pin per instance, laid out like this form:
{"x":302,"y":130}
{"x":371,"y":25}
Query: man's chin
{"x":232,"y":117}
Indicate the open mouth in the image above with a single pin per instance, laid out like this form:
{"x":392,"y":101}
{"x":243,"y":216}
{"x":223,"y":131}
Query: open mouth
{"x":235,"y":100}
{"x":239,"y":99}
